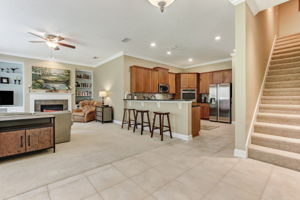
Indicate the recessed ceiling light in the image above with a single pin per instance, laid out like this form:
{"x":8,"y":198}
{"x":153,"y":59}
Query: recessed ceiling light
{"x":125,"y":40}
{"x":153,"y":44}
{"x":190,"y":59}
{"x":169,"y":52}
{"x":218,"y":38}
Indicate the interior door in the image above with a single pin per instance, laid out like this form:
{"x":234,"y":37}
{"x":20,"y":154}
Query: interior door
{"x":39,"y":138}
{"x":213,"y":102}
{"x":12,"y":143}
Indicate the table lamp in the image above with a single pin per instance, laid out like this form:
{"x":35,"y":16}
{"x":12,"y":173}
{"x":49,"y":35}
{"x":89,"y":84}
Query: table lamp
{"x":102,"y":94}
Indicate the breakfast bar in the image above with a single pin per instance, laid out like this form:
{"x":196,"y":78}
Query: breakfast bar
{"x":185,"y":120}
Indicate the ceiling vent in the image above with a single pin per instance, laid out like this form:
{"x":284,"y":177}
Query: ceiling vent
{"x":125,"y":40}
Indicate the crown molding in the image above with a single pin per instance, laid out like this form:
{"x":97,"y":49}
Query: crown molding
{"x":153,"y":60}
{"x":46,"y":59}
{"x":236,"y":2}
{"x":117,"y":55}
{"x":209,"y":63}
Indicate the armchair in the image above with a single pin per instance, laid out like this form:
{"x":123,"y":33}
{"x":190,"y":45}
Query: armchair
{"x":86,"y":111}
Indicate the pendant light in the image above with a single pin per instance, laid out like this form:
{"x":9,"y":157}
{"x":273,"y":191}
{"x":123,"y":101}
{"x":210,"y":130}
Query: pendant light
{"x":161,"y":3}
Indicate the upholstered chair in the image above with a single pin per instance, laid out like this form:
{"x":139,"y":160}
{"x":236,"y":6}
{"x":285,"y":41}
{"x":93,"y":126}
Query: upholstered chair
{"x":86,"y":111}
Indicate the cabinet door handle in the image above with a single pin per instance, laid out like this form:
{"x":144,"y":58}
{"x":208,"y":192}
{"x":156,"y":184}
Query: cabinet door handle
{"x":21,"y":141}
{"x":28,"y":140}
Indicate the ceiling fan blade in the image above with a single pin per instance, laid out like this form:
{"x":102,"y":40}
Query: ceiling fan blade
{"x":66,"y":45}
{"x":37,"y":41}
{"x":37,"y":35}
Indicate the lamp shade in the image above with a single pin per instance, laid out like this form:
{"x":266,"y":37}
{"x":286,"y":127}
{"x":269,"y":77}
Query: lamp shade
{"x":102,"y":94}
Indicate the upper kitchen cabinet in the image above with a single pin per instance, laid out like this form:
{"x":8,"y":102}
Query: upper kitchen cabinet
{"x":147,"y":86}
{"x":172,"y":83}
{"x":188,"y":80}
{"x":154,"y":81}
{"x":163,"y":75}
{"x":136,"y":79}
{"x":224,"y":76}
{"x":205,"y":80}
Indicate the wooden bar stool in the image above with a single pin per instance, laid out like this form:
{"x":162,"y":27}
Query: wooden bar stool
{"x":129,"y":120}
{"x":162,"y":125}
{"x":143,"y":123}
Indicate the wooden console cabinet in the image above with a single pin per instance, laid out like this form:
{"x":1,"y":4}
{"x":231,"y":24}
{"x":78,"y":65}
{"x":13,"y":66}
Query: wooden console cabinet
{"x":21,"y":134}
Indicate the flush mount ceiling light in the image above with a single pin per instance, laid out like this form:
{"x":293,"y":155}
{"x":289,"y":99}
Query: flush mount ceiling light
{"x":190,"y":60}
{"x":153,"y":44}
{"x":161,"y":3}
{"x":169,"y":52}
{"x":218,"y":38}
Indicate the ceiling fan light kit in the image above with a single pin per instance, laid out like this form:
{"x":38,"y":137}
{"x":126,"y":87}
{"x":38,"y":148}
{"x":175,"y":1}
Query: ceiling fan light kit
{"x":162,"y":4}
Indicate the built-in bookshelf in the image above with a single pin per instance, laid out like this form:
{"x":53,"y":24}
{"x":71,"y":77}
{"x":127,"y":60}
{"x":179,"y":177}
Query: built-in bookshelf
{"x":11,"y":79}
{"x":84,"y":85}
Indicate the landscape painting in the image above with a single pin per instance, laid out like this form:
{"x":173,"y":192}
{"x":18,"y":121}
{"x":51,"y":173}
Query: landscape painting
{"x":50,"y":79}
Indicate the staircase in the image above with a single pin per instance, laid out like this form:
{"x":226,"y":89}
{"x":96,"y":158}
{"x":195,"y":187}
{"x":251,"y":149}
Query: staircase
{"x":276,"y":137}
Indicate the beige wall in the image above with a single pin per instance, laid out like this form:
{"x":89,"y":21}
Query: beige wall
{"x":28,"y":63}
{"x":129,"y":61}
{"x":254,"y":39}
{"x":289,"y":18}
{"x":261,"y":31}
{"x":110,"y":77}
{"x":210,"y":68}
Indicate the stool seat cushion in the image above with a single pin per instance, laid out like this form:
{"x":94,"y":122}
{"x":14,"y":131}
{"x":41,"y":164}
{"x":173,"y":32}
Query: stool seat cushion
{"x":162,"y":113}
{"x":142,"y":110}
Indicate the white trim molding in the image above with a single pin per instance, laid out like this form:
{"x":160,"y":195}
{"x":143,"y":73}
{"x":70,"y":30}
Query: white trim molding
{"x":117,"y":55}
{"x":209,"y":63}
{"x":240,"y":153}
{"x":236,"y":2}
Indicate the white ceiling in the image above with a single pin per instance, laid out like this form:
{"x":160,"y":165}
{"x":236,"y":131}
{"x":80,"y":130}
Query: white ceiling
{"x":97,"y":27}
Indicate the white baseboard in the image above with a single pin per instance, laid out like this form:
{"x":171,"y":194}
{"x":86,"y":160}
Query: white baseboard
{"x":175,"y":135}
{"x":240,"y":153}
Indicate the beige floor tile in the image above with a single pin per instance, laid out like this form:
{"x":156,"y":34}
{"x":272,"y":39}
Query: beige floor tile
{"x":38,"y":194}
{"x":284,"y":184}
{"x":250,"y":183}
{"x":229,"y":192}
{"x":71,"y":189}
{"x":94,"y":197}
{"x":131,"y":166}
{"x":170,"y":169}
{"x":176,"y":191}
{"x":126,"y":190}
{"x":202,"y":186}
{"x":151,"y":180}
{"x":151,"y":158}
{"x":187,"y":161}
{"x":106,"y":177}
{"x":150,"y":198}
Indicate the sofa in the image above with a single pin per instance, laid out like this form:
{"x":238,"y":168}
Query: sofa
{"x":86,"y":111}
{"x":63,"y":123}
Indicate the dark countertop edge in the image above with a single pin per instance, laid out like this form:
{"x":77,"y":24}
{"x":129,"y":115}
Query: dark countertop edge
{"x":157,"y":100}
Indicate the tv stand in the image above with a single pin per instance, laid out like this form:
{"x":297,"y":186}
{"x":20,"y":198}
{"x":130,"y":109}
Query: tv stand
{"x":26,"y":133}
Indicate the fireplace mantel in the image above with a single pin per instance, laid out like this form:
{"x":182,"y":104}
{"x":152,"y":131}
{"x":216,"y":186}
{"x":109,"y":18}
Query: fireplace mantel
{"x":50,"y":96}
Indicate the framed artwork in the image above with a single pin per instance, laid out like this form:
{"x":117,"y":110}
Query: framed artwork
{"x":50,"y":79}
{"x":4,"y":80}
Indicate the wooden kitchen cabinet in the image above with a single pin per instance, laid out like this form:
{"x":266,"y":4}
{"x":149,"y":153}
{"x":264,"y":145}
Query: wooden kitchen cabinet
{"x":136,"y":79}
{"x":224,"y":76}
{"x":196,"y":122}
{"x":204,"y":111}
{"x":146,"y":80}
{"x":163,"y":75}
{"x":172,"y":83}
{"x":154,"y":81}
{"x":39,"y":138}
{"x":12,"y":142}
{"x":188,"y":81}
{"x":205,"y":80}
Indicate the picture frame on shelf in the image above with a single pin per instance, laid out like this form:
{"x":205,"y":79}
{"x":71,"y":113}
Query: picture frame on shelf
{"x":4,"y":80}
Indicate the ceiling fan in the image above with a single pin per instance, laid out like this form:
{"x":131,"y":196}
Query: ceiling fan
{"x":53,"y":41}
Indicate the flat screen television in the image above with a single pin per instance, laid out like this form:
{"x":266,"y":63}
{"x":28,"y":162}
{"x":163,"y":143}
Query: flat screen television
{"x":6,"y":97}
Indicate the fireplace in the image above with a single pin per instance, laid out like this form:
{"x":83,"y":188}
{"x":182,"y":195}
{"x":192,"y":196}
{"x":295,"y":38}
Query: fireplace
{"x":57,"y":105}
{"x":52,"y":107}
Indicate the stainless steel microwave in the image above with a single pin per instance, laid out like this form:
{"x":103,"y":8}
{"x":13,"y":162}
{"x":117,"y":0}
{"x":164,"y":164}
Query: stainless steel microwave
{"x":163,"y":88}
{"x":189,"y":94}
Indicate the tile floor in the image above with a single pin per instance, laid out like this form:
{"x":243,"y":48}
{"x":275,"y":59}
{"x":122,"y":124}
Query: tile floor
{"x":202,"y":169}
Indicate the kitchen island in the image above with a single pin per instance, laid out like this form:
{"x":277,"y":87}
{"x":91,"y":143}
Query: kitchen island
{"x":184,"y":117}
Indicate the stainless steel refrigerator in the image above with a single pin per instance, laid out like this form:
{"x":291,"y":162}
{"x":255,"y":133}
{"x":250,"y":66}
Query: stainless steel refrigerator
{"x":220,"y":102}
